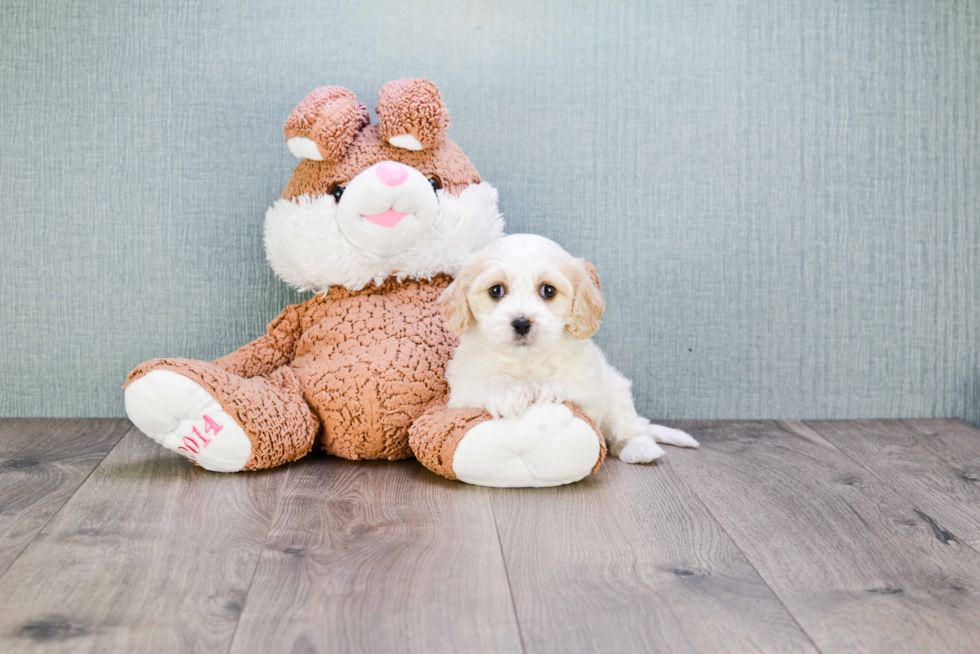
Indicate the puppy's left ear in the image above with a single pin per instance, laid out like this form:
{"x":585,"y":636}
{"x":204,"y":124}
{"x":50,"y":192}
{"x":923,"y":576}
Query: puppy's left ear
{"x":587,"y":304}
{"x":455,"y":308}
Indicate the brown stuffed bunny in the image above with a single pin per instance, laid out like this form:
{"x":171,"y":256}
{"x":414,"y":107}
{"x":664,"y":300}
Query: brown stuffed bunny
{"x":375,"y":219}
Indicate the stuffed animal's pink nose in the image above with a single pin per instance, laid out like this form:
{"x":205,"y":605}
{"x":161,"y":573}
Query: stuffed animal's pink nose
{"x":391,"y":173}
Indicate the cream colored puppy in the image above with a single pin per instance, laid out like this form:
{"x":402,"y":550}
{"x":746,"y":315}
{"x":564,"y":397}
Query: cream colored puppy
{"x":525,"y":311}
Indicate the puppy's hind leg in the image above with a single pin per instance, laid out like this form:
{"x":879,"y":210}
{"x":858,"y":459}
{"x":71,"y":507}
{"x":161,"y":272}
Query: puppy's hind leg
{"x":625,"y":431}
{"x":631,"y":437}
{"x":640,"y":449}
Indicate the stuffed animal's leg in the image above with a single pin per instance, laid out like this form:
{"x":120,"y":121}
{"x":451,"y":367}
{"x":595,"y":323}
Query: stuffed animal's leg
{"x":549,"y":445}
{"x":219,"y":420}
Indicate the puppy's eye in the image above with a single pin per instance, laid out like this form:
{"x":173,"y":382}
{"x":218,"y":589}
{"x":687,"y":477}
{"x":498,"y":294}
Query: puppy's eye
{"x":337,"y":192}
{"x":436,"y":184}
{"x":547,"y":291}
{"x":497,"y":291}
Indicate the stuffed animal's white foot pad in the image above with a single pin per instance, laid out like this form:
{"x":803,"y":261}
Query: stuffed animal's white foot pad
{"x":183,"y":417}
{"x":546,"y":446}
{"x":640,"y":449}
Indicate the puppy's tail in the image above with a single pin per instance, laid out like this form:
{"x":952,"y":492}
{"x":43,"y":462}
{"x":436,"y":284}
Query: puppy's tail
{"x":668,"y":435}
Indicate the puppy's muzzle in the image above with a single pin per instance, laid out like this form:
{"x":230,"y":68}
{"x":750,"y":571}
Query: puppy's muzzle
{"x":521,"y":325}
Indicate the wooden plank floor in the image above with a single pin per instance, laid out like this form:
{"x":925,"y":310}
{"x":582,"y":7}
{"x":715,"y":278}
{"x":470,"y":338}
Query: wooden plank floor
{"x":858,"y":536}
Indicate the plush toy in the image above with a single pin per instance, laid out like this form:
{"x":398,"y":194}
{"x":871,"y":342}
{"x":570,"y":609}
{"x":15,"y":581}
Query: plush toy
{"x":376,"y":219}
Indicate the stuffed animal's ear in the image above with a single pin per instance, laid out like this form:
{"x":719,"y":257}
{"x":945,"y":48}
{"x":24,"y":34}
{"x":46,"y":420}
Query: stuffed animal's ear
{"x":587,"y":304}
{"x":323,"y":126}
{"x":412,"y":114}
{"x":455,"y":307}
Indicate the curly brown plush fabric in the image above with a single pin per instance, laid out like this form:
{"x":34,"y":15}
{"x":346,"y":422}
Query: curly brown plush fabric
{"x":330,"y":117}
{"x":412,"y":106}
{"x":371,"y":361}
{"x":268,"y":352}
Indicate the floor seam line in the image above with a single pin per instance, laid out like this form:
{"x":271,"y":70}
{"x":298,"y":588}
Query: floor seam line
{"x":503,"y":560}
{"x":65,"y":503}
{"x":258,"y":561}
{"x":885,"y":483}
{"x":746,"y":557}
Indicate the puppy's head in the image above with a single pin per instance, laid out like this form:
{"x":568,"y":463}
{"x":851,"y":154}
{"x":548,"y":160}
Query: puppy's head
{"x":524,"y":293}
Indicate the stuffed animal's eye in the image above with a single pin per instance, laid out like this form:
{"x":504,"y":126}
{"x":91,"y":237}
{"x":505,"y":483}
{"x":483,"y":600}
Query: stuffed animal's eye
{"x":436,"y":184}
{"x":337,"y":192}
{"x":497,"y":291}
{"x":547,"y":291}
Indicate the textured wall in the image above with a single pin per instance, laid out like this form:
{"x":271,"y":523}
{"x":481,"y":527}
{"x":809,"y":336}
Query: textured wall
{"x":782,"y":198}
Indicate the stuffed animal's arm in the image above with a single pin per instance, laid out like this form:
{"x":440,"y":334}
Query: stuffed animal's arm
{"x":269,"y":352}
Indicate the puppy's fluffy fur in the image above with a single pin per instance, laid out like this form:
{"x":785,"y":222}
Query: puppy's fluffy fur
{"x":525,"y":311}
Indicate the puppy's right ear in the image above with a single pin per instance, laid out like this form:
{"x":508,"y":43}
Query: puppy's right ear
{"x":454,"y":305}
{"x":324,"y":125}
{"x":587,"y":305}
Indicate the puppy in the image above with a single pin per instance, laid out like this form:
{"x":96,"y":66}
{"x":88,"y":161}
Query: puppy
{"x":525,"y":311}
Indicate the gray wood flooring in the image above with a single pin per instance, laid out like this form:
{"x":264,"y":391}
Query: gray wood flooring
{"x":857,"y":536}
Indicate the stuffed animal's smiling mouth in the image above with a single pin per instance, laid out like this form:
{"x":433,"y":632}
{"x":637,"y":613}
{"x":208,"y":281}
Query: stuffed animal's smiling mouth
{"x":389,"y":218}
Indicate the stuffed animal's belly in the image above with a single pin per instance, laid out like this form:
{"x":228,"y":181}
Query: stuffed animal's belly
{"x":371,"y":361}
{"x":367,"y":396}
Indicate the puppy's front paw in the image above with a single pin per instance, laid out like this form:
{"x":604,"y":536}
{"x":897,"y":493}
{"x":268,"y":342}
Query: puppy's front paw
{"x":550,"y":392}
{"x":640,"y":449}
{"x":510,"y":402}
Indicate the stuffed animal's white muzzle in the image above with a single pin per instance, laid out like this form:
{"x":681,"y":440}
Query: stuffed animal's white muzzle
{"x":386,"y":208}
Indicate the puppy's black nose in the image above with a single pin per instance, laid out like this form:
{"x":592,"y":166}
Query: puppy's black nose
{"x":521,"y":325}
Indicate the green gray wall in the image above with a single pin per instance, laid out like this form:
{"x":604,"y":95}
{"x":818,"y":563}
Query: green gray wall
{"x":781,"y":198}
